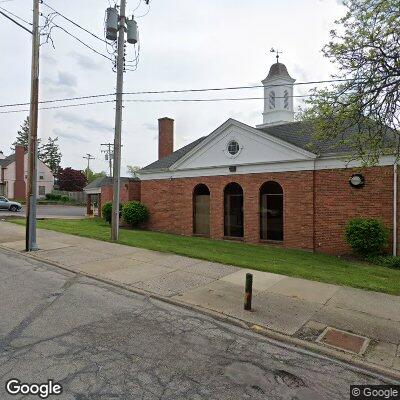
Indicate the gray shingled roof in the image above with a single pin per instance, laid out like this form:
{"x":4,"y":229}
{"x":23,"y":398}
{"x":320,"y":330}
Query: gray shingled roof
{"x":278,"y":69}
{"x":166,"y":162}
{"x":105,"y":181}
{"x":7,"y":161}
{"x":299,"y":134}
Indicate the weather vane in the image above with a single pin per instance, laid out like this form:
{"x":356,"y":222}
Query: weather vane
{"x":277,"y":53}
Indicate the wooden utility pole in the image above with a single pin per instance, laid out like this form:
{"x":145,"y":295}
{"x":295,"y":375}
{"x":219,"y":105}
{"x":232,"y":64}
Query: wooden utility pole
{"x":109,"y":155}
{"x":88,"y":157}
{"x":30,"y":238}
{"x":118,"y":122}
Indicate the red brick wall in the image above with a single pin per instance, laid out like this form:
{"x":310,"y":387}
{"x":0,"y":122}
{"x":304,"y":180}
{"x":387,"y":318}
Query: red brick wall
{"x":171,"y":205}
{"x":107,"y":193}
{"x":19,"y":183}
{"x":129,"y":191}
{"x":337,"y":202}
{"x":313,"y":219}
{"x":134,"y":190}
{"x":165,"y":137}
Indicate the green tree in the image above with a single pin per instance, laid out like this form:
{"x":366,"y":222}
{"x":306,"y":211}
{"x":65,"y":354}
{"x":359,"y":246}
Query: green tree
{"x":91,"y":176}
{"x":50,"y":154}
{"x":133,"y":170}
{"x":365,"y":48}
{"x":22,"y":135}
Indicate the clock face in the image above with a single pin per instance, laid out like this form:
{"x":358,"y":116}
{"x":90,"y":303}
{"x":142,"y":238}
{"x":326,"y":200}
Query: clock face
{"x":357,"y":180}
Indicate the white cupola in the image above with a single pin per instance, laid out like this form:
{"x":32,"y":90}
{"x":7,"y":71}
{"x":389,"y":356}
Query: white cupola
{"x":278,"y":96}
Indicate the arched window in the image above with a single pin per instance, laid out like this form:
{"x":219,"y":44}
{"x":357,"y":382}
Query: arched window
{"x":271,"y":100}
{"x":271,"y":211}
{"x":233,"y":210}
{"x":201,"y":210}
{"x":286,"y":99}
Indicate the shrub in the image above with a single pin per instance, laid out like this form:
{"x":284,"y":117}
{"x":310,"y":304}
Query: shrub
{"x":366,"y":236}
{"x":134,"y":213}
{"x":53,"y":196}
{"x":64,"y":199}
{"x":106,"y":211}
{"x":386,"y":261}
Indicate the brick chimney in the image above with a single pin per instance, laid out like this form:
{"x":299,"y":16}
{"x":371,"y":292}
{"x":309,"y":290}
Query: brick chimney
{"x":165,"y":137}
{"x":19,"y":183}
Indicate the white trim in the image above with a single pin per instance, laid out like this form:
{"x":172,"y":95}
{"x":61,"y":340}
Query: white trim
{"x":281,"y":166}
{"x":232,"y":122}
{"x":92,"y":191}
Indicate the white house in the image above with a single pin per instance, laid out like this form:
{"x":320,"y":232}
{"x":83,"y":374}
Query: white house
{"x":14,"y":174}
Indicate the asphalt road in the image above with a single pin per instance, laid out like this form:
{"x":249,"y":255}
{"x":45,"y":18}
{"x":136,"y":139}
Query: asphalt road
{"x":52,"y":211}
{"x":101,"y":342}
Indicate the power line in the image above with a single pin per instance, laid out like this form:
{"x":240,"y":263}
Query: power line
{"x":15,"y":22}
{"x":16,"y":16}
{"x":172,"y":91}
{"x":150,"y":101}
{"x":80,"y":41}
{"x":74,"y":23}
{"x":64,"y":106}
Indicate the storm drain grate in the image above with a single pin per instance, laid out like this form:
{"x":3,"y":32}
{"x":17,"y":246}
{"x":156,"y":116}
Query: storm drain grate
{"x":343,"y":340}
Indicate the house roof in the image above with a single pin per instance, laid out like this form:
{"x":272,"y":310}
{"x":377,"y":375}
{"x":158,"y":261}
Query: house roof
{"x":278,"y":70}
{"x":166,"y":162}
{"x":5,"y":162}
{"x":106,"y":181}
{"x":299,"y":134}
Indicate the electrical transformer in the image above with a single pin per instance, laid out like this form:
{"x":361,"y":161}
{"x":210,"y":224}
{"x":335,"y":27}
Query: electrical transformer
{"x":112,"y":23}
{"x":132,"y":31}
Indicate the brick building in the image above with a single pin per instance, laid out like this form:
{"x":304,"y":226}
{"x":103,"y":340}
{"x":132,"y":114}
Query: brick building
{"x":100,"y":191}
{"x":270,"y":183}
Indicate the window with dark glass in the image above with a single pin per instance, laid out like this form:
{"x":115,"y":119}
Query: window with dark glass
{"x":233,"y":210}
{"x":233,"y":147}
{"x":201,"y":210}
{"x":272,"y":100}
{"x":286,"y":99}
{"x":271,"y":211}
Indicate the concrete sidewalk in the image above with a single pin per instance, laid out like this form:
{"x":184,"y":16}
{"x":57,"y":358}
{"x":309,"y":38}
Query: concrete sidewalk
{"x":297,"y":308}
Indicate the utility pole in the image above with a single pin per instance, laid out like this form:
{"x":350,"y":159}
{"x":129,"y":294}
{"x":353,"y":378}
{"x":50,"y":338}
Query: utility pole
{"x":88,"y":157}
{"x":109,"y":154}
{"x":30,"y":238}
{"x":118,"y":122}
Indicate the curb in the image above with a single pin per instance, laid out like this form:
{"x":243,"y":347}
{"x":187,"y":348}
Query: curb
{"x":299,"y":345}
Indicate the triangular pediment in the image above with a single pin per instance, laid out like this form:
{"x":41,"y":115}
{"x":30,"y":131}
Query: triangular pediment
{"x":255,"y":147}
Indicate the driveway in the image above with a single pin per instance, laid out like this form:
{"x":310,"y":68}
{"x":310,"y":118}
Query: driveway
{"x":50,"y":211}
{"x":101,"y":342}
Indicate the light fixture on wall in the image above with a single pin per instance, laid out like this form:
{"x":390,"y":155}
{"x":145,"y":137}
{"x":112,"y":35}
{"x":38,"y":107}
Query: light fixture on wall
{"x":357,"y":181}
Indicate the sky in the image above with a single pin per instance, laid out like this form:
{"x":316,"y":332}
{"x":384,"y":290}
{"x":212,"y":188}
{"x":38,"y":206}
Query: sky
{"x":184,"y":44}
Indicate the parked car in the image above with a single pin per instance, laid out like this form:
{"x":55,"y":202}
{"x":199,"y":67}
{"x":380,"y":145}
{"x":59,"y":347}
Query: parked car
{"x":6,"y":204}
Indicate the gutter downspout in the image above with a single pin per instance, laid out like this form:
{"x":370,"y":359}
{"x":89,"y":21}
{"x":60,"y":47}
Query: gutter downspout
{"x":395,"y":208}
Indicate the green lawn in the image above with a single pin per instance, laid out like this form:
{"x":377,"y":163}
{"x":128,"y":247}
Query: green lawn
{"x":297,"y":263}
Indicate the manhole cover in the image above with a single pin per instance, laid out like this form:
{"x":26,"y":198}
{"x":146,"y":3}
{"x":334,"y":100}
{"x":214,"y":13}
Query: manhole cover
{"x":343,"y":340}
